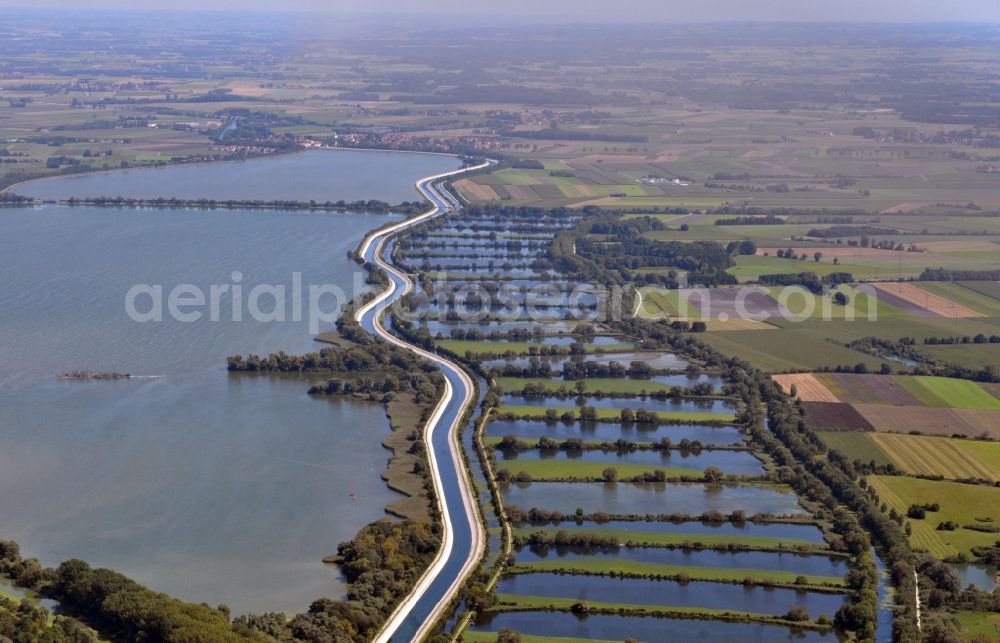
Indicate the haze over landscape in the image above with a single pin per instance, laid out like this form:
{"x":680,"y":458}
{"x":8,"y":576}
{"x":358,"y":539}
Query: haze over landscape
{"x":331,"y":322}
{"x":570,"y":11}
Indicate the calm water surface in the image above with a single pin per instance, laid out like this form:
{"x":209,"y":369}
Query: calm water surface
{"x":211,"y":487}
{"x":812,"y":565}
{"x":732,"y":462}
{"x":636,"y":591}
{"x":795,"y":532}
{"x":605,"y":431}
{"x":613,"y":628}
{"x":319,"y":175}
{"x":653,"y":498}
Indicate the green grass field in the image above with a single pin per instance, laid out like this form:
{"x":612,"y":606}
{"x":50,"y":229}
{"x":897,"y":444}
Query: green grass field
{"x":610,"y":565}
{"x":979,"y":626}
{"x":964,"y":296}
{"x":538,"y":412}
{"x":669,"y":304}
{"x":864,"y":268}
{"x":518,"y":601}
{"x":961,"y":503}
{"x":948,"y":393}
{"x":804,"y":304}
{"x":855,"y":445}
{"x":665,"y":539}
{"x":971,"y":355}
{"x":554,"y":470}
{"x":800,"y":346}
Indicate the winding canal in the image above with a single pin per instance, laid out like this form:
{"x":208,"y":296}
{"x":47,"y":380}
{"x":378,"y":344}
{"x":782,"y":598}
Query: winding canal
{"x":462,"y":533}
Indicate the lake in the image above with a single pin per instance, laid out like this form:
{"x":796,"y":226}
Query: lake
{"x":319,"y":175}
{"x":609,"y":627}
{"x":209,"y":486}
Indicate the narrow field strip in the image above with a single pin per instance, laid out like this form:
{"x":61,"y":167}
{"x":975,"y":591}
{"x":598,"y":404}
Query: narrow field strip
{"x":538,"y":412}
{"x":659,"y":539}
{"x":948,"y":392}
{"x":611,"y":566}
{"x":560,"y":470}
{"x":512,"y":602}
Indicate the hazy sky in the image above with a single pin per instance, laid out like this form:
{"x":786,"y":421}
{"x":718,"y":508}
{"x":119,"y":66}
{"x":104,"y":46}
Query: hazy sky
{"x":568,"y":10}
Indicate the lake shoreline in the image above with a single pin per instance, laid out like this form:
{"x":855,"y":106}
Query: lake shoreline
{"x":10,"y":189}
{"x":206,"y":204}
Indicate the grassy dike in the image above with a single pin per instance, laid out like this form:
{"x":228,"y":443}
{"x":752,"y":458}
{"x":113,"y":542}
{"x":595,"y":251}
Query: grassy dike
{"x":576,"y":471}
{"x":614,"y":415}
{"x":686,"y":541}
{"x":521,"y":603}
{"x":610,"y":566}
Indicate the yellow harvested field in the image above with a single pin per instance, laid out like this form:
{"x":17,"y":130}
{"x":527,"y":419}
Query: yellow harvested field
{"x":718,"y":325}
{"x":930,"y":302}
{"x":939,"y":456}
{"x":809,"y":388}
{"x":248,"y":88}
{"x":476,"y":192}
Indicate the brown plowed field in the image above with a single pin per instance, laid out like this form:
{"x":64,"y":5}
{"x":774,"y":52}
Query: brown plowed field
{"x":833,"y":416}
{"x":982,"y":422}
{"x":931,"y":420}
{"x":930,"y":303}
{"x":867,"y":389}
{"x":809,"y":388}
{"x":476,"y":191}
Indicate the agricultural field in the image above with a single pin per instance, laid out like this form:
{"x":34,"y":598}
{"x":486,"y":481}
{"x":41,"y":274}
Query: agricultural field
{"x":922,"y":302}
{"x":814,"y":343}
{"x":964,"y":504}
{"x":979,"y":626}
{"x":896,"y":403}
{"x":950,"y":458}
{"x":612,"y":415}
{"x":702,"y":150}
{"x":900,"y":390}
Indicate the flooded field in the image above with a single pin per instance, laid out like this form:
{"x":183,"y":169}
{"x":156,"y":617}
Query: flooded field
{"x":532,"y":430}
{"x":809,"y":565}
{"x":618,"y":498}
{"x":731,"y":462}
{"x":606,"y":627}
{"x":634,"y":591}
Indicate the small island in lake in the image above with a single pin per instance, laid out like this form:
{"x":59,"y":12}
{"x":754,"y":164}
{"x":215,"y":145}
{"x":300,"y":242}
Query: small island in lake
{"x":95,"y":375}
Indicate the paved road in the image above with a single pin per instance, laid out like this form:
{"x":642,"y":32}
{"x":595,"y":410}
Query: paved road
{"x":463,"y":537}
